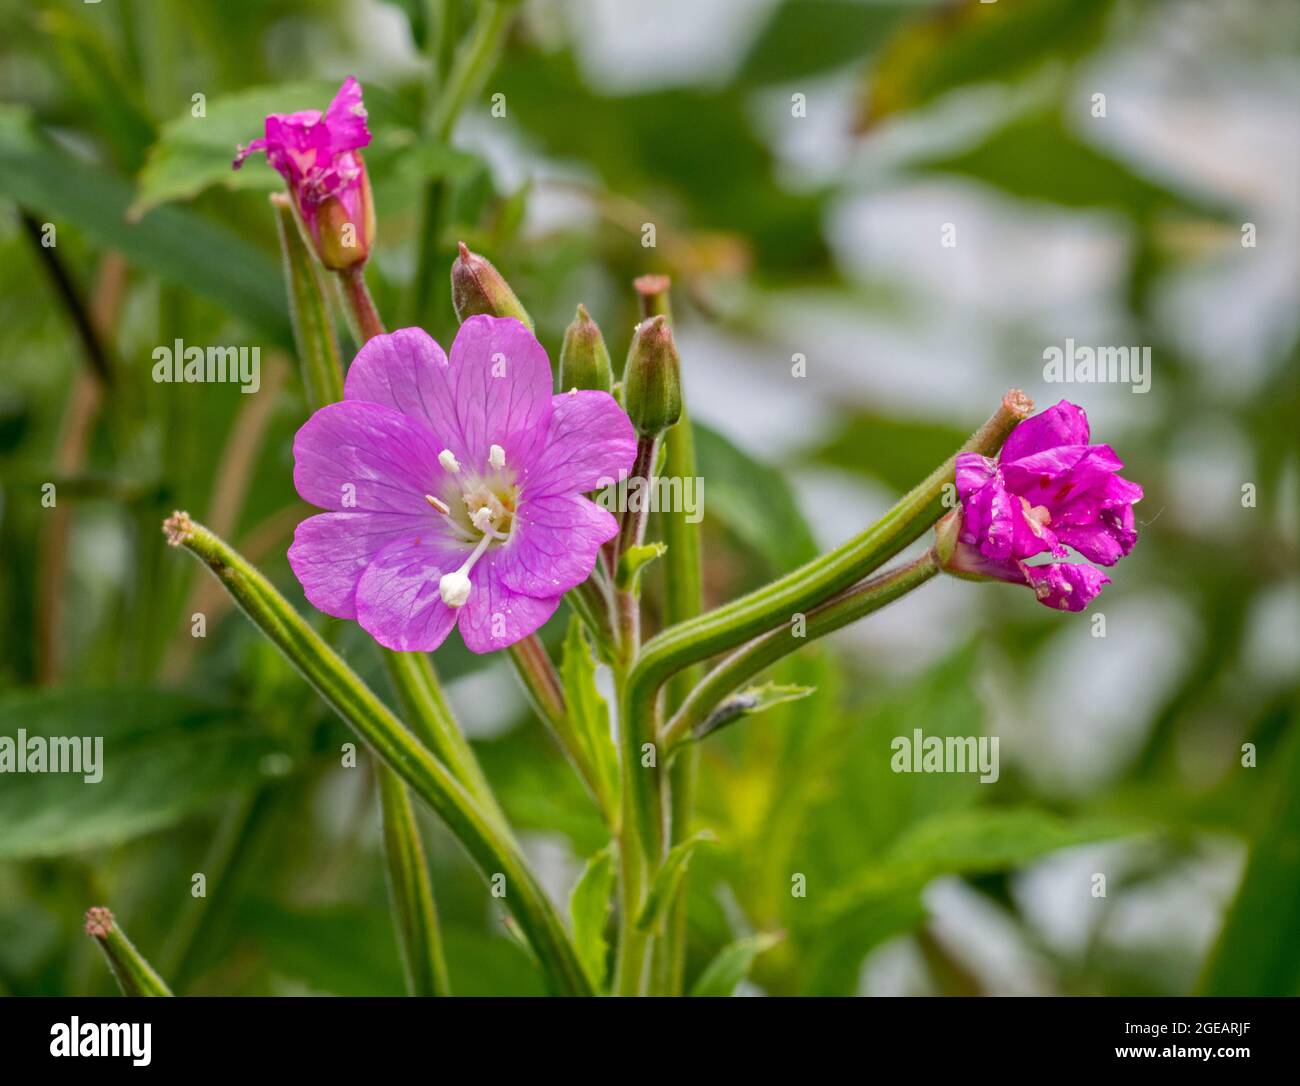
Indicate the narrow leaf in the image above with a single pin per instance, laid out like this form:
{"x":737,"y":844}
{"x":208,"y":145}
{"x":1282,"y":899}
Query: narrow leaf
{"x":313,"y":331}
{"x":633,"y":560}
{"x":667,"y":879}
{"x":753,"y":699}
{"x":732,"y":964}
{"x":588,"y":912}
{"x":588,"y":718}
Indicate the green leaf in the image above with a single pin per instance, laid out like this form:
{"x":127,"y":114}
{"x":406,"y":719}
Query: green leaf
{"x":164,"y":756}
{"x":633,"y":560}
{"x":974,"y":43}
{"x":753,"y":501}
{"x":668,"y":878}
{"x":970,"y":842}
{"x":753,"y":699}
{"x":732,"y":964}
{"x":588,"y":716}
{"x":808,"y":37}
{"x":588,"y":912}
{"x":896,"y":451}
{"x":1036,"y":157}
{"x":182,"y":248}
{"x":1256,"y":951}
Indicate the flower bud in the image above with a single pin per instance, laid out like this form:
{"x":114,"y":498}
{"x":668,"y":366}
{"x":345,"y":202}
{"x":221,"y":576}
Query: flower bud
{"x":652,"y":382}
{"x":477,"y":287}
{"x":584,"y":361}
{"x":344,"y":226}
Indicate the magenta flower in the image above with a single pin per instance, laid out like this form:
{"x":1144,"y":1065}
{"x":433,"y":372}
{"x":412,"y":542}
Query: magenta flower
{"x":319,"y":156}
{"x":1049,"y":490}
{"x":455,"y":489}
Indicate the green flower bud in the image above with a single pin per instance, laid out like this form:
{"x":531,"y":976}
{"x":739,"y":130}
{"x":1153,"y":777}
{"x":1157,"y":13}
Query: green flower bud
{"x":584,"y":361}
{"x":652,"y":380}
{"x":477,"y":287}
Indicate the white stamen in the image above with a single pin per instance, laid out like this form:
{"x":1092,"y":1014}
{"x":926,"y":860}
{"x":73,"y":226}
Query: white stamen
{"x":448,"y":460}
{"x":454,"y":587}
{"x":497,"y":457}
{"x":441,"y":506}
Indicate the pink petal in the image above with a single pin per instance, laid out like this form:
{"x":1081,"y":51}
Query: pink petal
{"x":989,"y":515}
{"x":363,"y":456}
{"x":503,"y":390}
{"x":1105,"y":540}
{"x":1066,"y":586}
{"x":397,"y":597}
{"x":495,"y":616}
{"x":407,"y":371}
{"x":590,"y":443}
{"x":330,"y":551}
{"x":554,"y":544}
{"x":346,"y":118}
{"x":1064,"y":424}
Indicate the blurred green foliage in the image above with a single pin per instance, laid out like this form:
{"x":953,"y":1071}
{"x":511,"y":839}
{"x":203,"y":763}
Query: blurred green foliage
{"x":233,"y":765}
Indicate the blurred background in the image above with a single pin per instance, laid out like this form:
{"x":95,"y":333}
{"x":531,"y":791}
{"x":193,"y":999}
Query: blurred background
{"x":806,"y":165}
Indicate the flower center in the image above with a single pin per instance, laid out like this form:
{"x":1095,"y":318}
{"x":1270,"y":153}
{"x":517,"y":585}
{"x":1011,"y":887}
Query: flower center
{"x":1037,"y":517}
{"x":479,"y":509}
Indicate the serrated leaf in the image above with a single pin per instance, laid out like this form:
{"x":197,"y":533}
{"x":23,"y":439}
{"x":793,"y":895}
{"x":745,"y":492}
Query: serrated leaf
{"x":588,"y":911}
{"x":732,"y":964}
{"x":668,"y":878}
{"x":588,"y":715}
{"x":753,"y":699}
{"x":164,"y":756}
{"x":634,"y":559}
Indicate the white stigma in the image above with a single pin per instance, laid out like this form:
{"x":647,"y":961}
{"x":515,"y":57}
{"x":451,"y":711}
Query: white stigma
{"x":448,"y":460}
{"x":497,"y":457}
{"x":482,"y":519}
{"x":441,"y":506}
{"x":454,"y":587}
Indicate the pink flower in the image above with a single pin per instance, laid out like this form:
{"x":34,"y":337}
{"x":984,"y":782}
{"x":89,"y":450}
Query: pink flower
{"x":319,"y":156}
{"x":455,"y":488}
{"x":1049,"y":490}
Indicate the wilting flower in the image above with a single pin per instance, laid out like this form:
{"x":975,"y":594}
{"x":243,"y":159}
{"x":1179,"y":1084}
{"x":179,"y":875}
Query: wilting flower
{"x":319,"y":156}
{"x":1049,"y":490}
{"x":455,"y":488}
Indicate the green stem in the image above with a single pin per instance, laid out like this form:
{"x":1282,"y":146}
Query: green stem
{"x":477,"y":831}
{"x":425,"y":706}
{"x":411,"y":890}
{"x":473,"y":61}
{"x":313,"y":331}
{"x":775,"y":604}
{"x":746,"y":662}
{"x":135,"y":976}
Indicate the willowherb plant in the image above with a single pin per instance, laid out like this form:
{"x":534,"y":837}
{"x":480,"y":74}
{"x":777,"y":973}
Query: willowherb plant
{"x":456,"y":492}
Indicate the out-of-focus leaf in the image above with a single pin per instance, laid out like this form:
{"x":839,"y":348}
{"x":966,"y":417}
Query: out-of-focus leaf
{"x":588,"y":912}
{"x":179,"y":246}
{"x":588,"y":715}
{"x":1256,"y":953}
{"x":898,"y":452}
{"x":752,"y":501}
{"x":164,"y":756}
{"x":807,"y":37}
{"x":668,"y":878}
{"x":970,"y":42}
{"x":972,"y":841}
{"x":732,"y":964}
{"x":1037,"y":158}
